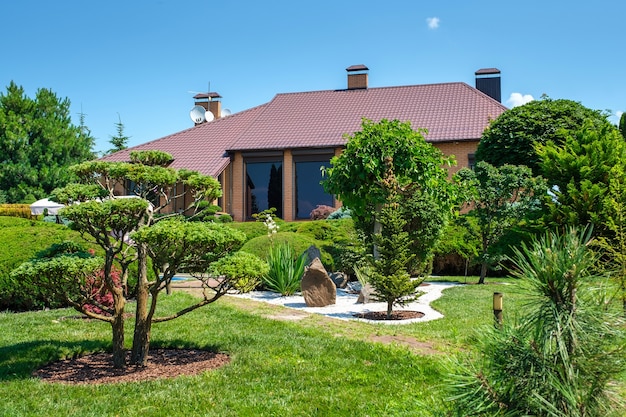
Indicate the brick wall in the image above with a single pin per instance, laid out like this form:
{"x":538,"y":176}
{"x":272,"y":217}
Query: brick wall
{"x":460,"y":150}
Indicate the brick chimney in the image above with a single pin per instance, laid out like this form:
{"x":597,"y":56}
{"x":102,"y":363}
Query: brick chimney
{"x":488,"y":81}
{"x":357,"y":77}
{"x":211,"y":102}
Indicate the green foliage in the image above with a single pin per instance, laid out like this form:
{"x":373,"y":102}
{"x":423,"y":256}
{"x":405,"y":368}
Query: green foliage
{"x":613,"y":245}
{"x":151,"y":158}
{"x":176,"y":245}
{"x":458,"y":253}
{"x":358,"y":177}
{"x":120,"y":140}
{"x":285,"y":269}
{"x":499,"y":198}
{"x":38,"y":142}
{"x":23,"y":240}
{"x":580,"y":170}
{"x":512,"y":137}
{"x":299,"y":243}
{"x":390,"y":162}
{"x":622,"y":125}
{"x":244,"y":270}
{"x":561,"y":357}
{"x":62,"y":279}
{"x":16,"y":210}
{"x":389,"y":277}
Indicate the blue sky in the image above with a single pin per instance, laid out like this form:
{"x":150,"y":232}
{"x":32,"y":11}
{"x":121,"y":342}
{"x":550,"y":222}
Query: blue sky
{"x":145,"y":59}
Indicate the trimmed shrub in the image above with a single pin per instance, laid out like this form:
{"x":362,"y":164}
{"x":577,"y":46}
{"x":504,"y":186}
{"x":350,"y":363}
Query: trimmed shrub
{"x":22,"y":240}
{"x":321,"y":212}
{"x":341,"y":213}
{"x":260,"y":246}
{"x":245,"y":270}
{"x":16,"y":210}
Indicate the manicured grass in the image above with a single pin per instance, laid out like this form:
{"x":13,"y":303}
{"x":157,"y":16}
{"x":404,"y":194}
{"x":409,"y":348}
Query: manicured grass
{"x":313,"y":367}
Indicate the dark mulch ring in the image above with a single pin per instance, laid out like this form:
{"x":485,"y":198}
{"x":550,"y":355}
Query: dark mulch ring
{"x":395,"y":315}
{"x":97,"y":368}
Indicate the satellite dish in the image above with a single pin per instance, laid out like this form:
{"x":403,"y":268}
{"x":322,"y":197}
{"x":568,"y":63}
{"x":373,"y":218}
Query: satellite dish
{"x":226,"y":112}
{"x":208,"y":116}
{"x":197,"y":114}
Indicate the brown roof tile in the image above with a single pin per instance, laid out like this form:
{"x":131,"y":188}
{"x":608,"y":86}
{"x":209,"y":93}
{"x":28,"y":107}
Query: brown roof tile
{"x":450,"y":112}
{"x":201,"y":148}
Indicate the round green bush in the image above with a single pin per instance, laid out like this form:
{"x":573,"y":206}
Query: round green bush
{"x":243,"y":269}
{"x":260,"y":246}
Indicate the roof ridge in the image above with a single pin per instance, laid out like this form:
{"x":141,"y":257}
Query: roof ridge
{"x":367,"y":89}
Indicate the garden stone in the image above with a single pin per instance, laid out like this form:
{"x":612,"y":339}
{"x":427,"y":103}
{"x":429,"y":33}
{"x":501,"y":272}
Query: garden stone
{"x":365,"y":296}
{"x":340,"y":279}
{"x":311,"y":253}
{"x":317,"y":288}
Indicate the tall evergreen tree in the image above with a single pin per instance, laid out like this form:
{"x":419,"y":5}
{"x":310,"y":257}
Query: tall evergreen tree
{"x":38,"y":142}
{"x":120,"y":140}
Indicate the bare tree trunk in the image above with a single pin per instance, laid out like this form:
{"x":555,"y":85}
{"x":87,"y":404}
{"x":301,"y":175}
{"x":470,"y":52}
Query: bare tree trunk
{"x":483,"y":272}
{"x":141,"y":336}
{"x":389,"y":309}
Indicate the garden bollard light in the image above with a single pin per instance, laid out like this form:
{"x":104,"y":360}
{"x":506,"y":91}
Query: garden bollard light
{"x":497,"y":308}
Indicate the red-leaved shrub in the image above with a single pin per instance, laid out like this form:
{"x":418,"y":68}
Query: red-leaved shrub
{"x":321,"y":212}
{"x":96,"y":287}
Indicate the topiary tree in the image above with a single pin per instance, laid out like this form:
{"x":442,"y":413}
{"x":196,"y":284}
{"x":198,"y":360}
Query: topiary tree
{"x":360,"y":177}
{"x":511,"y":138}
{"x":128,"y":230}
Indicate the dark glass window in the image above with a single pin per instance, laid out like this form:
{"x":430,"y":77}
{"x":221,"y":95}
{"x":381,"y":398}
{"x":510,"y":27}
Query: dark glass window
{"x":309,"y":191}
{"x":264,"y":186}
{"x":471,"y":161}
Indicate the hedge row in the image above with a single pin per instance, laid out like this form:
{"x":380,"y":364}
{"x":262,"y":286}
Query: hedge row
{"x":16,"y":210}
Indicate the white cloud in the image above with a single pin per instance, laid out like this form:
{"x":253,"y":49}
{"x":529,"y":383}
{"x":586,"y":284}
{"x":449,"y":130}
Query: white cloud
{"x":432,"y":22}
{"x":619,"y":114}
{"x":518,"y":99}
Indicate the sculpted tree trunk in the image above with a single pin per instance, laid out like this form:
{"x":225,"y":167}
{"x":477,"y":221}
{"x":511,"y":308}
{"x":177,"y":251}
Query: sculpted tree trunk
{"x":117,"y":322}
{"x":143,"y":322}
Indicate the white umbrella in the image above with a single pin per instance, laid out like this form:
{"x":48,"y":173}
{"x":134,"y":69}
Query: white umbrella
{"x":39,"y":206}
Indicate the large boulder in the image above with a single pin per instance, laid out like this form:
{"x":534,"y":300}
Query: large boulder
{"x":317,"y":288}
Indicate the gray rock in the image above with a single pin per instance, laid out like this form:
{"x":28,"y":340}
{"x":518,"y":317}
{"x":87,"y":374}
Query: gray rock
{"x":311,"y":253}
{"x":317,"y":288}
{"x":340,"y":279}
{"x":365,"y":296}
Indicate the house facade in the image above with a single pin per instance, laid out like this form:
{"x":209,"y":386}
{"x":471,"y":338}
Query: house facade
{"x":271,"y":155}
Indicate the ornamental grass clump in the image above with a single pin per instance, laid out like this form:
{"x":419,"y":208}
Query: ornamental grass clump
{"x":285,"y":270}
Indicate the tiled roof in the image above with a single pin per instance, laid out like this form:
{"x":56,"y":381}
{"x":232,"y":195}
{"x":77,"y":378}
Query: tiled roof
{"x":450,"y":112}
{"x":201,"y":148}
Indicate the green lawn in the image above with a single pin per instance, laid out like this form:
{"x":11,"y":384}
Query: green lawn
{"x":316,"y":366}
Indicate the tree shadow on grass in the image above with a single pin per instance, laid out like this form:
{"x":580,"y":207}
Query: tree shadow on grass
{"x":20,"y":360}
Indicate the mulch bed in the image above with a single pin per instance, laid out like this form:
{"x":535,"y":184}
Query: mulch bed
{"x":97,"y":368}
{"x":395,"y":315}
